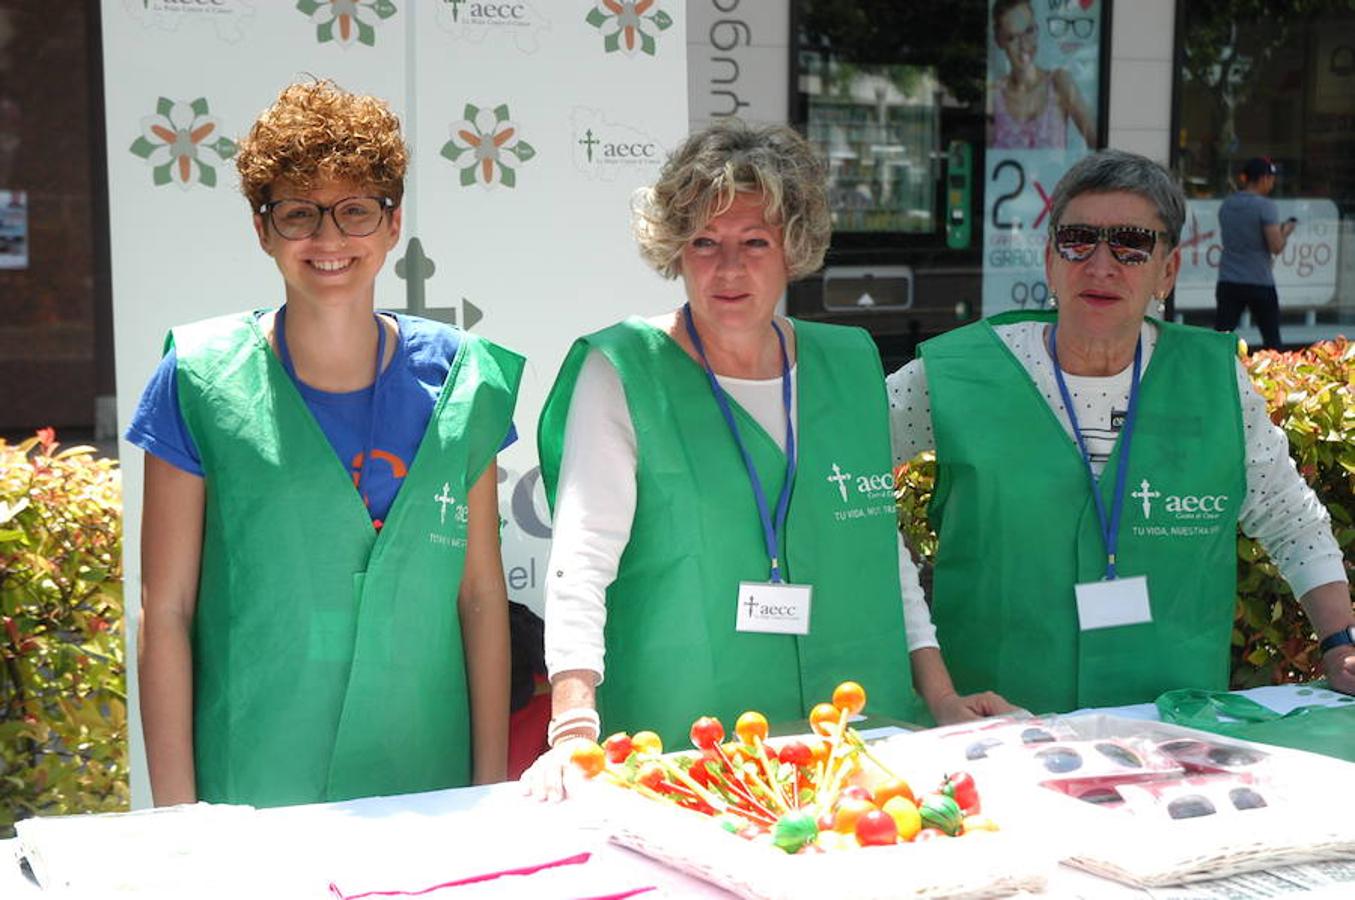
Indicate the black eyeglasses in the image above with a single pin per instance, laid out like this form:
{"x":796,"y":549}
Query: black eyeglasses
{"x":1129,"y":244}
{"x":297,"y":220}
{"x":1059,"y":26}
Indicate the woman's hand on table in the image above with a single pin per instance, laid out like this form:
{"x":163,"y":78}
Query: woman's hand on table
{"x":952,"y":708}
{"x":546,"y":778}
{"x":1339,"y":665}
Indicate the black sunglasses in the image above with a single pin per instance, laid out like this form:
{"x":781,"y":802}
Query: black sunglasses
{"x":1129,"y":244}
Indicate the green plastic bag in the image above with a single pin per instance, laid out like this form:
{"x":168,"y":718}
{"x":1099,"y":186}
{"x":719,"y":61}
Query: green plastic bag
{"x":1329,"y":730}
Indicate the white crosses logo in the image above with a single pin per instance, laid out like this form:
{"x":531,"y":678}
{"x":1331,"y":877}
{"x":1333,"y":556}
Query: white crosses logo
{"x":1146,"y":494}
{"x":446,"y":499}
{"x":841,"y":478}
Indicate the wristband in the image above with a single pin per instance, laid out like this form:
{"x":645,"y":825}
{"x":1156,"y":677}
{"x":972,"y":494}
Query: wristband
{"x":582,"y":721}
{"x":1338,"y":639}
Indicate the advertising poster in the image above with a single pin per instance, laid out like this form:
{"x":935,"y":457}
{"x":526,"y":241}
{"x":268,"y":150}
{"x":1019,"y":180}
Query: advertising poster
{"x":13,"y":230}
{"x":1044,"y":60}
{"x":530,"y":123}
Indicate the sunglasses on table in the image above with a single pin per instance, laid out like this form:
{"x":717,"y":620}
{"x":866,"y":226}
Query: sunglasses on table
{"x":1129,"y":244}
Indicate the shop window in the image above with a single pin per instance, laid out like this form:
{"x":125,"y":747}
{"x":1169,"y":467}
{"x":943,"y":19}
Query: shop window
{"x":1272,"y":79}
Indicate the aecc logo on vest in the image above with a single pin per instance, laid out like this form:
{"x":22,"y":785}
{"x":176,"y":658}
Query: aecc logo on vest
{"x":856,"y":489}
{"x":460,"y":514}
{"x":1177,"y":510}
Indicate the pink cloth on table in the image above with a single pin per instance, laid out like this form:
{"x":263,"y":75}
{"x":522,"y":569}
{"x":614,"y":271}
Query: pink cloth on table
{"x":577,"y":859}
{"x":1048,"y":129}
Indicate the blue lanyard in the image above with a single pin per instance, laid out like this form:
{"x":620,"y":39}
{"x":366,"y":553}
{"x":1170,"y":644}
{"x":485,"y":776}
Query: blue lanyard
{"x":773,"y":537}
{"x":1110,"y":527}
{"x":280,"y":329}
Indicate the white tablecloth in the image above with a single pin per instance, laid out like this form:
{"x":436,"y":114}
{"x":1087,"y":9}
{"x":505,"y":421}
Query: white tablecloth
{"x":419,"y":840}
{"x":386,"y":843}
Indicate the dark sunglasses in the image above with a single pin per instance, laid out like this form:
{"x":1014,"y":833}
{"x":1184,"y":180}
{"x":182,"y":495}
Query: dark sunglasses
{"x":1129,"y":244}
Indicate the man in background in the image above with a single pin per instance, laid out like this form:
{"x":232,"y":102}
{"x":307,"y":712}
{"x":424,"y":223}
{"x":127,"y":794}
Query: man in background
{"x":1252,"y":236}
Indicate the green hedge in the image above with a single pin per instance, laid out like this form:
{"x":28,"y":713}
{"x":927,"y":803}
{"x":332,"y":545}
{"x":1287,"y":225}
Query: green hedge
{"x":63,"y":706}
{"x":1311,"y":396}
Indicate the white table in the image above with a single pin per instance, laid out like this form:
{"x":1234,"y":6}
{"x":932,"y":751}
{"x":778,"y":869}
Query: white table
{"x":425,"y":839}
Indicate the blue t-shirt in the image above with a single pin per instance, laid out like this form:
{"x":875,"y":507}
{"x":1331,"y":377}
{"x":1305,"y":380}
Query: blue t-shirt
{"x":1246,"y":257}
{"x":407,"y":391}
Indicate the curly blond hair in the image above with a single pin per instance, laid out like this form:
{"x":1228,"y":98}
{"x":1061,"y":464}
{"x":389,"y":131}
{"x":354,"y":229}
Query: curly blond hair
{"x":316,"y":131}
{"x":702,"y":177}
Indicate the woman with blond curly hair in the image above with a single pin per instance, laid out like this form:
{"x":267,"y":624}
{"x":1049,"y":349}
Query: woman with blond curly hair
{"x":324,"y":610}
{"x":724,"y":530}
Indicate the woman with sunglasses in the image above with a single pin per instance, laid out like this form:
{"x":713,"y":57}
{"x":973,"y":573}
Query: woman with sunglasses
{"x":1093,"y":465}
{"x":324,"y":613}
{"x":1030,"y":106}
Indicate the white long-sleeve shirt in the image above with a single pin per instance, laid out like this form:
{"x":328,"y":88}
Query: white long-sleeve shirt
{"x":1280,"y":510}
{"x":595,"y":505}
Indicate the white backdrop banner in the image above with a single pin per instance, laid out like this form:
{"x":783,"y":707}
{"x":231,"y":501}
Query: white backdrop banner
{"x":530,"y":248}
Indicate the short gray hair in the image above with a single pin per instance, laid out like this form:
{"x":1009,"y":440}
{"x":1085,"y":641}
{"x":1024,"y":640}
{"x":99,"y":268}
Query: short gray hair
{"x":1107,"y":171}
{"x":710,"y":168}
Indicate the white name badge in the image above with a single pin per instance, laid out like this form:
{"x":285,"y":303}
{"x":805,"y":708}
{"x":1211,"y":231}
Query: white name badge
{"x":773,"y":608}
{"x":1105,"y":604}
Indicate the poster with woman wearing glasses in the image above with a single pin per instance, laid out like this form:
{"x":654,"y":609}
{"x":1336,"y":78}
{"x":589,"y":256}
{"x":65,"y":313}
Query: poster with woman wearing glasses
{"x":1043,"y":89}
{"x":1033,"y":105}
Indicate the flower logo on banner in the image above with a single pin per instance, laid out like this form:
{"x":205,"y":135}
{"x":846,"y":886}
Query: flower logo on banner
{"x":481,"y":141}
{"x":175,"y":139}
{"x":344,"y":20}
{"x":623,"y":21}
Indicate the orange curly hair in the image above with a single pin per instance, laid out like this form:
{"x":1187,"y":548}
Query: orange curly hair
{"x":317,"y":132}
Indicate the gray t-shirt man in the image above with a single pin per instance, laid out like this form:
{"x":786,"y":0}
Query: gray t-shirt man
{"x":1246,"y":257}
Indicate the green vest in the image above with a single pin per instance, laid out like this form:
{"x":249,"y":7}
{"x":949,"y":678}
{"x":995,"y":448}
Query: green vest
{"x":327,"y":656}
{"x":672,"y":650}
{"x":1017,"y":527}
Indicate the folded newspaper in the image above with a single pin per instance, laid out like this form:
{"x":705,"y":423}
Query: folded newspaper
{"x":157,"y":852}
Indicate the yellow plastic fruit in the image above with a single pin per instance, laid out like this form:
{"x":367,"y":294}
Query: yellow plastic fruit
{"x":974,"y":824}
{"x":905,"y":815}
{"x":647,"y":742}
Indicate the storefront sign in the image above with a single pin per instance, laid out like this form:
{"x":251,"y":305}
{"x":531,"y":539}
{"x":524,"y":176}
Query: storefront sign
{"x":1305,"y":273}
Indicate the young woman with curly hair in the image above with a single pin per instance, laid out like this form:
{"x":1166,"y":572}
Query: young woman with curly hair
{"x":324,"y":611}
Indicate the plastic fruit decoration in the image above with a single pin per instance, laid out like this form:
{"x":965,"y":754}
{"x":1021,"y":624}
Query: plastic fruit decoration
{"x":849,"y":697}
{"x":707,"y":732}
{"x":942,"y":813}
{"x":803,"y":792}
{"x":647,"y":742}
{"x":751,"y":728}
{"x":823,"y":718}
{"x":849,"y":812}
{"x":975,"y":824}
{"x":618,"y":747}
{"x":893,"y":787}
{"x":960,"y":787}
{"x":875,"y":829}
{"x":795,"y":753}
{"x":589,"y":757}
{"x":794,"y":830}
{"x":905,"y":815}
